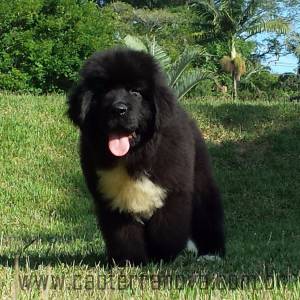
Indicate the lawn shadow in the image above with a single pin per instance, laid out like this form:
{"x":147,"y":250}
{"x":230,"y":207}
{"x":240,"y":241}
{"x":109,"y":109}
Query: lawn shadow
{"x":258,"y":180}
{"x":237,"y":115}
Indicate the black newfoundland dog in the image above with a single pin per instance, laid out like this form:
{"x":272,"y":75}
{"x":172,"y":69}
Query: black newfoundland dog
{"x":144,"y":161}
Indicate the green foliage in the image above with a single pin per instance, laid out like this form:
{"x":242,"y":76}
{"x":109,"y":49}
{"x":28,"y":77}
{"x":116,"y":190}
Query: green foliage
{"x":277,"y":25}
{"x":171,"y":27}
{"x":159,"y":53}
{"x":153,"y":3}
{"x":151,"y":47}
{"x":204,"y":88}
{"x":190,"y":81}
{"x":289,"y":82}
{"x":264,"y":81}
{"x":43,"y":42}
{"x":263,"y":84}
{"x":135,"y":43}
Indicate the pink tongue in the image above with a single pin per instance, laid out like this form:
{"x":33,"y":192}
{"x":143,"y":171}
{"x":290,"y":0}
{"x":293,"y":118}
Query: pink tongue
{"x":118,"y":144}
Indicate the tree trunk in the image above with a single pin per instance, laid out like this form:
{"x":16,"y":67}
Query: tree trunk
{"x":234,"y":86}
{"x":234,"y":75}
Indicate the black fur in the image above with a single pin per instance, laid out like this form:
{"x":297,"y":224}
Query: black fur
{"x":168,"y":148}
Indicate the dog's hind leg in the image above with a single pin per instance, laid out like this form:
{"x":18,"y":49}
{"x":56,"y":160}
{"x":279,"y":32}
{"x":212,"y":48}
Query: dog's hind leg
{"x":207,"y":223}
{"x":207,"y":219}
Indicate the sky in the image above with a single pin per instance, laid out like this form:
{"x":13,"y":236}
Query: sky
{"x":286,"y":63}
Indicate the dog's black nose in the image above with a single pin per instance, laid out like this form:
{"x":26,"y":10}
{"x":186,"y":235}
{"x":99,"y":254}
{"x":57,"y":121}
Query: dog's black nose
{"x":120,"y":109}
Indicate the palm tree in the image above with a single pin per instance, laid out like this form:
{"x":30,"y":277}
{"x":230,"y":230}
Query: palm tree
{"x":181,"y":78}
{"x":230,"y":20}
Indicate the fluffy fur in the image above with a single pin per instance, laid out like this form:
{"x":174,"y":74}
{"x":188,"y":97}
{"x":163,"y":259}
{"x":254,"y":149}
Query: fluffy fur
{"x":159,"y":195}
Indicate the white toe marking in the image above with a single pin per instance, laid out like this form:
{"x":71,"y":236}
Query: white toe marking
{"x":209,"y":258}
{"x":190,"y":246}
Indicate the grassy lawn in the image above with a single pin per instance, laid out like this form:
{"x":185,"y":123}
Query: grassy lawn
{"x":50,"y":247}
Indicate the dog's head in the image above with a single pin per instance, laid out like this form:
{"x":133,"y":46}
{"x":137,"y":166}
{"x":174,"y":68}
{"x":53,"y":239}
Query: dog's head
{"x":121,"y":97}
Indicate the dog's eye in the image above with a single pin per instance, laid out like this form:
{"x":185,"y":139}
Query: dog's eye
{"x":135,"y":93}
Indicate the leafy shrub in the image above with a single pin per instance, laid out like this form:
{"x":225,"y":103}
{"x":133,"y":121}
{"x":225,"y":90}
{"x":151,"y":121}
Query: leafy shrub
{"x":171,"y":27}
{"x":289,"y":82}
{"x":43,"y":42}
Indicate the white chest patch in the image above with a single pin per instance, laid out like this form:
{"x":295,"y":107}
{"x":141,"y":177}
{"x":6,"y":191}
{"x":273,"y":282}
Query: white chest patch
{"x":136,"y":196}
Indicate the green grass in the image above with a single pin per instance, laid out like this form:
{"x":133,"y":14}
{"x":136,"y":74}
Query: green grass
{"x":47,"y":226}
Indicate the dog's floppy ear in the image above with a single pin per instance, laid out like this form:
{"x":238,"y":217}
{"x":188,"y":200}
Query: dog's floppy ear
{"x":79,"y":101}
{"x":164,"y":101}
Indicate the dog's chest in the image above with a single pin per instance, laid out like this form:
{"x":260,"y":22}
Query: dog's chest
{"x":139,"y":197}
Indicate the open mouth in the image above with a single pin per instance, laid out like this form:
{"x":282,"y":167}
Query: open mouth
{"x":120,"y":143}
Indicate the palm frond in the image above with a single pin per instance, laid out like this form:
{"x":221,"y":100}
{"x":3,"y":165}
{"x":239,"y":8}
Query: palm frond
{"x":228,"y":18}
{"x":135,"y":43}
{"x":159,"y":54}
{"x":249,"y":11}
{"x":181,"y":65}
{"x":206,"y":5}
{"x":189,"y":81}
{"x":151,"y":47}
{"x":278,"y":26}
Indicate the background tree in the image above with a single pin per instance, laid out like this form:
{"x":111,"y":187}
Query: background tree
{"x":293,"y":45}
{"x":153,"y":3}
{"x":230,"y":20}
{"x":43,"y":43}
{"x":172,"y":27}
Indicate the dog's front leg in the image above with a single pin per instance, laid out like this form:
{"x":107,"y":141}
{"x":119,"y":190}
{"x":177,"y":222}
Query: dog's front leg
{"x":124,"y":237}
{"x":168,"y":230}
